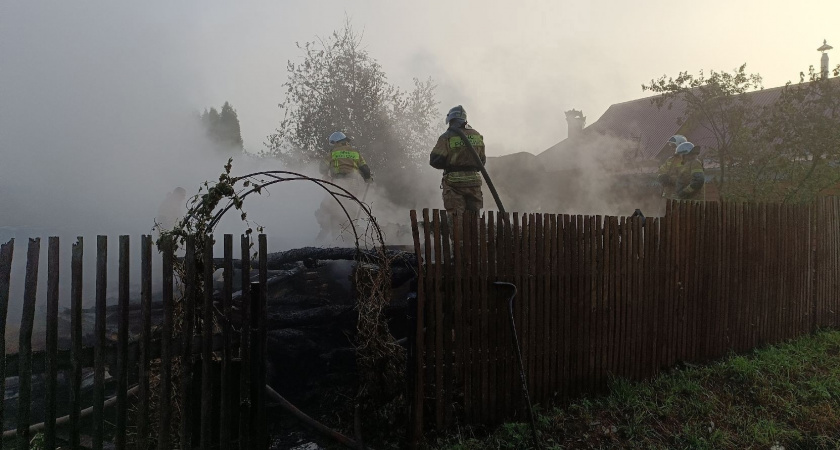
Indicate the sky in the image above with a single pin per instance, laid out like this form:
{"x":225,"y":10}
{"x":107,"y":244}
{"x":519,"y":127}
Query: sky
{"x":96,"y":96}
{"x":516,"y":67}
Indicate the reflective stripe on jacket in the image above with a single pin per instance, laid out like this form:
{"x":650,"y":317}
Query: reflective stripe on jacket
{"x":453,"y":156}
{"x":345,"y":160}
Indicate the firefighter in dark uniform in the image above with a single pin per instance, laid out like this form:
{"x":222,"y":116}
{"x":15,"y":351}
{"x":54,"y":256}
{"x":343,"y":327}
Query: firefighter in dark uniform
{"x":461,"y":182}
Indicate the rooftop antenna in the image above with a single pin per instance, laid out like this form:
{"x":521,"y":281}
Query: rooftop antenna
{"x":824,"y":60}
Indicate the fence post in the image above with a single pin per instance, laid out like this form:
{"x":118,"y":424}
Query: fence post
{"x":122,"y":343}
{"x":410,"y":363}
{"x":99,"y":343}
{"x":207,"y":346}
{"x":245,"y":349}
{"x":258,"y":302}
{"x":257,"y":362}
{"x":25,"y":343}
{"x":51,"y":374}
{"x":6,"y":254}
{"x":225,"y":413}
{"x":417,"y":415}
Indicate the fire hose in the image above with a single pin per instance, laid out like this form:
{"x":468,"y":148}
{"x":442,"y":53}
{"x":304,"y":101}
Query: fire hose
{"x":311,"y":423}
{"x":522,"y":376}
{"x":480,"y":166}
{"x":364,"y":197}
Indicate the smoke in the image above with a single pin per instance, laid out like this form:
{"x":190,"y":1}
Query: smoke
{"x":97,"y":125}
{"x":590,"y":175}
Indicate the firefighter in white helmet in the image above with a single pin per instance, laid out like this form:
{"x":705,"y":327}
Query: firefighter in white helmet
{"x":691,"y":178}
{"x":683,"y":175}
{"x":668,"y":171}
{"x":344,"y":162}
{"x":343,"y":166}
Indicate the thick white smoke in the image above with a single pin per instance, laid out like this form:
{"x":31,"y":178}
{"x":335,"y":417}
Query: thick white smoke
{"x":97,"y":126}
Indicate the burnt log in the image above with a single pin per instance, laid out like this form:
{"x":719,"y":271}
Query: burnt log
{"x":323,"y":316}
{"x":308,"y":255}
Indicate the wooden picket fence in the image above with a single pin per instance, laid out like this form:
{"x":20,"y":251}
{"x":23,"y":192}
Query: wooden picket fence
{"x":220,"y":370}
{"x":607,"y":296}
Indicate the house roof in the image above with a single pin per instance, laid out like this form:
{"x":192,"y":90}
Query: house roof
{"x":637,"y":120}
{"x":641,"y":123}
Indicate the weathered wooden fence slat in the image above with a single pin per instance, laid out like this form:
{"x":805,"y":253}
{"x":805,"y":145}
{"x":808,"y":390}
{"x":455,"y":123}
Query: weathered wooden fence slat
{"x":262,"y":337}
{"x":419,"y":384}
{"x":492,"y":324}
{"x":76,"y":274}
{"x":440,"y":330}
{"x":52,"y":342}
{"x":245,"y":349}
{"x":428,"y":319}
{"x":6,"y":255}
{"x":610,"y":296}
{"x":25,"y":342}
{"x":166,"y":354}
{"x":227,"y":356}
{"x":187,"y":332}
{"x":99,"y":342}
{"x":145,"y":341}
{"x":128,"y":361}
{"x":122,"y":346}
{"x":207,"y":345}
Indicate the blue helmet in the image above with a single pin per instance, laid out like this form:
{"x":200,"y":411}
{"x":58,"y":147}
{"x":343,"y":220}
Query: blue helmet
{"x":337,"y":137}
{"x":457,"y":112}
{"x":676,"y":140}
{"x":684,"y":148}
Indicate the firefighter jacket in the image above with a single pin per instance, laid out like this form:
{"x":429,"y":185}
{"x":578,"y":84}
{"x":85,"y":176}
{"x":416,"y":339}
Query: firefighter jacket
{"x":668,"y":175}
{"x":453,"y":156}
{"x":690,"y":180}
{"x":343,"y":161}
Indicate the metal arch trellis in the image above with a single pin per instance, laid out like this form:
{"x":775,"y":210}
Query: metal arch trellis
{"x":334,"y":190}
{"x":373,"y":348}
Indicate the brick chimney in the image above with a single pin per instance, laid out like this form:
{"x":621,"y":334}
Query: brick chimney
{"x":576,"y":121}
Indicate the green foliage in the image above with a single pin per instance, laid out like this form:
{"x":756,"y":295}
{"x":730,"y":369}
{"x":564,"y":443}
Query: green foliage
{"x":794,"y":144}
{"x":38,"y":442}
{"x":785,"y":396}
{"x":223,"y":128}
{"x":785,"y":151}
{"x":339,"y":86}
{"x":715,"y":103}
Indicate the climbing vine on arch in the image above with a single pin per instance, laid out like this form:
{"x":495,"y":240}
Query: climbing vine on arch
{"x":380,"y":359}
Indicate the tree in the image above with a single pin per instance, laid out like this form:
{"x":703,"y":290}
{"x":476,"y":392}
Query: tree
{"x":783,"y":151}
{"x":716,"y":103}
{"x":795,"y":153}
{"x":339,"y":86}
{"x":223,"y":128}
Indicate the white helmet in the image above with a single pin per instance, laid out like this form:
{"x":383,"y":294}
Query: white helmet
{"x":676,"y":140}
{"x":684,"y":148}
{"x":337,"y":137}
